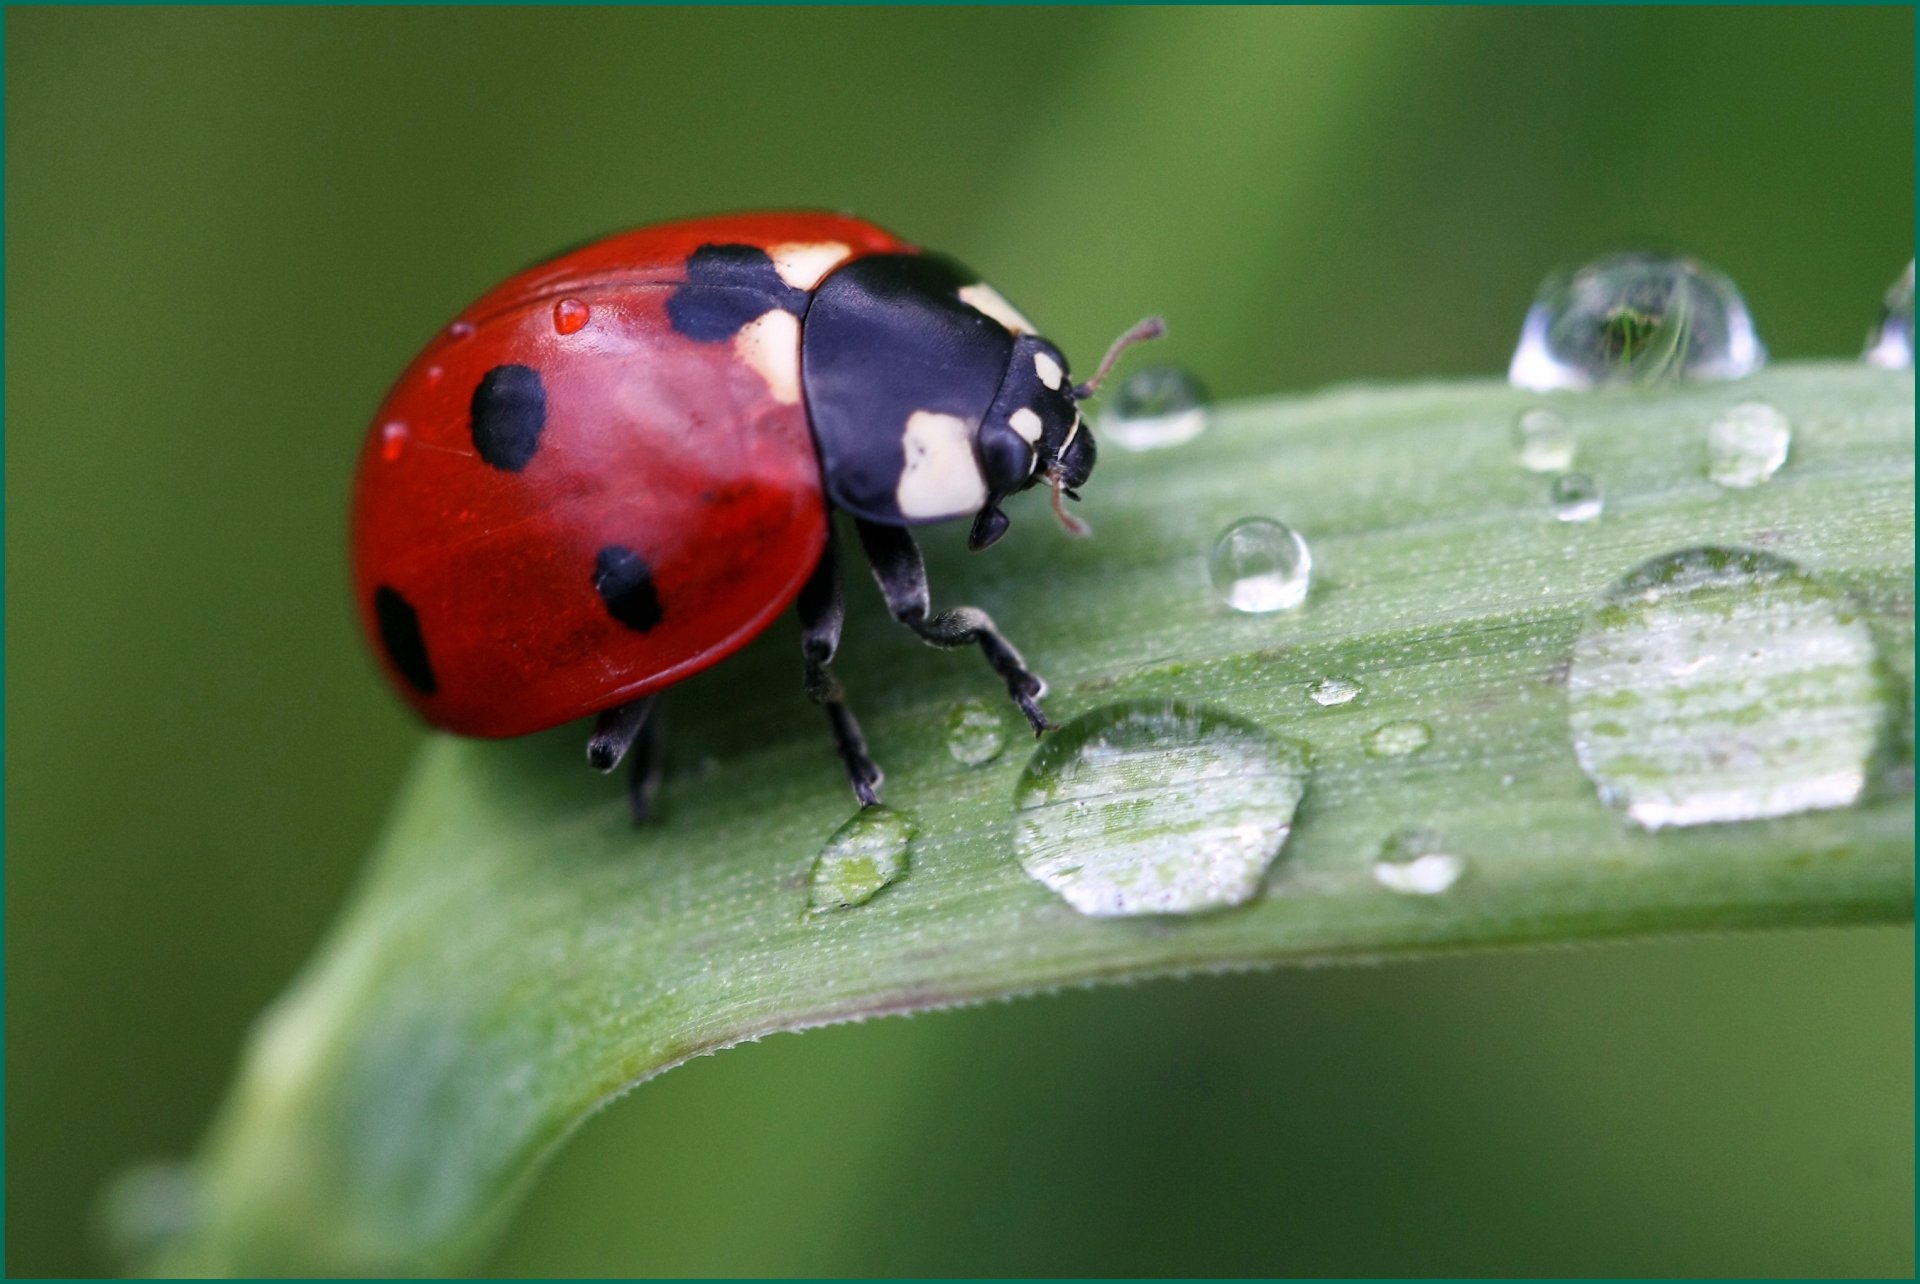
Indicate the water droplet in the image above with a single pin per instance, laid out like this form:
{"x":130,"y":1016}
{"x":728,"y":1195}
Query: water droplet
{"x":1544,"y":439}
{"x":975,"y":732}
{"x":860,"y":858}
{"x":1720,"y":684}
{"x":434,"y":374}
{"x":1634,"y":318}
{"x":1747,"y":445}
{"x":1415,"y":862}
{"x":1575,"y":498}
{"x":1333,"y":691}
{"x":1155,"y":407}
{"x":1399,"y":739}
{"x":1260,"y":565}
{"x":570,"y":316}
{"x":460,"y":330}
{"x":393,"y":439}
{"x":1155,"y":808}
{"x":1890,"y":346}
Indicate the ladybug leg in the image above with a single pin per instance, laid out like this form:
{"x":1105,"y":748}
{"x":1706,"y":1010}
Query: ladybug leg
{"x":631,"y":731}
{"x":903,"y":580}
{"x":823,"y":609}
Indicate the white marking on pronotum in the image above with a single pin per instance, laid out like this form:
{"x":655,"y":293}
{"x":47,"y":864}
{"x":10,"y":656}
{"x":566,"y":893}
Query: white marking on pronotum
{"x":1026,"y":423}
{"x":985,"y":298}
{"x":770,"y":343}
{"x":801,"y":264}
{"x":1048,"y":369}
{"x":941,"y":477}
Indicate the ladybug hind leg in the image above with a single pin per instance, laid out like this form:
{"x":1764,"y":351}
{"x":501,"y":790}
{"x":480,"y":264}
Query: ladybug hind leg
{"x":902,"y":577}
{"x":632,"y":732}
{"x":823,"y":609}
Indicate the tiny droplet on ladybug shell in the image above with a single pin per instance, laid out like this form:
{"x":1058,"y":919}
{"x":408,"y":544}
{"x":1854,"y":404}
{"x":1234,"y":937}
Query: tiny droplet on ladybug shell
{"x":460,"y":330}
{"x":434,"y":375}
{"x":393,"y":439}
{"x":570,"y":316}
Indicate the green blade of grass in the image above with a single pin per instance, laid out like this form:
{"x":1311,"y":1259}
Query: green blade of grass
{"x":518,"y":954}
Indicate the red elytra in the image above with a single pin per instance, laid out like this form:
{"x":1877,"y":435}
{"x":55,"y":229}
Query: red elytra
{"x":649,"y":441}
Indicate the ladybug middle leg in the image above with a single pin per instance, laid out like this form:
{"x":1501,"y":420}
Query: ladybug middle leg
{"x":631,"y":731}
{"x":902,"y":576}
{"x":823,"y":609}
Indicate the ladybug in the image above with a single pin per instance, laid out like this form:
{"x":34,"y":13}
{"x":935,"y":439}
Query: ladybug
{"x":617,"y":467}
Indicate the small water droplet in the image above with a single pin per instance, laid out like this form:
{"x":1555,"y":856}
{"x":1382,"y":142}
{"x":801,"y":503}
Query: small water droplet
{"x":1890,"y":346}
{"x":1634,"y":318}
{"x":1155,"y":407}
{"x":1415,"y":862}
{"x":393,"y":439}
{"x":570,"y":316}
{"x":860,"y":858}
{"x":1575,"y":497}
{"x":975,"y":732}
{"x":1333,"y":691}
{"x":1260,"y":566}
{"x":1544,"y":439}
{"x":1156,"y":808}
{"x":460,"y":330}
{"x":434,"y":374}
{"x":1747,"y":445}
{"x":1719,"y":684}
{"x":1399,"y":739}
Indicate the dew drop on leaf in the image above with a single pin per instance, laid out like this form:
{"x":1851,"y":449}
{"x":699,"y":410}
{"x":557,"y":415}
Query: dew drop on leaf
{"x":1415,"y":862}
{"x":1747,"y":445}
{"x":1155,"y":407}
{"x":1544,"y":440}
{"x":861,"y":857}
{"x":1258,"y":565}
{"x":975,"y":732}
{"x":1399,"y":739}
{"x":1334,"y":690}
{"x":1890,"y":346}
{"x":1575,"y":497}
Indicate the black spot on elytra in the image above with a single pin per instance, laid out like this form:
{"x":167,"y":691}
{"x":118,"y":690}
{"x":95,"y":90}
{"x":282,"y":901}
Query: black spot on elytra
{"x":509,"y":410}
{"x":624,"y":582}
{"x":400,"y":632}
{"x":726,"y":287}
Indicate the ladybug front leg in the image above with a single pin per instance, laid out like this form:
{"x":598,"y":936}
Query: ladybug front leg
{"x":823,"y":609}
{"x":631,"y":731}
{"x":903,"y":580}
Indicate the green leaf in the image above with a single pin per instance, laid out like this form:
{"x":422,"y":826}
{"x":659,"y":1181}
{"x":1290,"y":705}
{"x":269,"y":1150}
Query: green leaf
{"x":518,"y":954}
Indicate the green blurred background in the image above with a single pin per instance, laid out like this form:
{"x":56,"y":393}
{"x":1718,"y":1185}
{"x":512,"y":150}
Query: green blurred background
{"x":227,"y":229}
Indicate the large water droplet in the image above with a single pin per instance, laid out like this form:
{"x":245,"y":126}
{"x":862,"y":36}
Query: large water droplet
{"x":1155,"y":407}
{"x":570,"y":316}
{"x":1544,"y":440}
{"x":393,"y":439}
{"x":1399,"y":739}
{"x":1336,"y":690}
{"x":1155,"y":808}
{"x":1747,"y":445}
{"x":975,"y":732}
{"x":1635,"y":318}
{"x":1260,"y":565}
{"x":1890,"y":346}
{"x":1575,"y":498}
{"x":1416,"y":862}
{"x":1720,"y":684}
{"x":860,"y":858}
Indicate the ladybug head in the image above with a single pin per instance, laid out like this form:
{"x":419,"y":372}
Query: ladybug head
{"x":1035,"y":432}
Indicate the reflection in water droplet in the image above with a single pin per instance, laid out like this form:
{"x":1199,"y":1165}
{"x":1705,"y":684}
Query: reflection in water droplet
{"x":1720,"y":684}
{"x":1544,"y":440}
{"x":975,"y":732}
{"x":1634,"y":318}
{"x":1155,"y":407}
{"x":1416,"y":863}
{"x":1399,"y":739}
{"x":1333,"y":691}
{"x":1260,"y":565}
{"x":393,"y":439}
{"x":1575,"y":498}
{"x":1155,"y":808}
{"x":570,"y":316}
{"x":860,"y":858}
{"x":1747,"y":445}
{"x":1890,"y":346}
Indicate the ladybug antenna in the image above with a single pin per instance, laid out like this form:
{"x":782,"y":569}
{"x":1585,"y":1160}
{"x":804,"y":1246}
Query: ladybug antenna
{"x":1072,"y":524}
{"x":1151,"y":328}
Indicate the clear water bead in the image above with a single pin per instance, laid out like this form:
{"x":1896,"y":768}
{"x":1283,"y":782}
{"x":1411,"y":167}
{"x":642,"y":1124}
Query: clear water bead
{"x":1575,"y":497}
{"x":1747,"y":445}
{"x":861,"y":857}
{"x":1332,"y":691}
{"x":1634,"y":318}
{"x":1156,"y":808}
{"x":975,"y":733}
{"x":1259,"y":565}
{"x":1399,"y":739}
{"x":1544,"y":440}
{"x":1890,"y":346}
{"x":1718,"y":684}
{"x":1155,"y":407}
{"x":1416,"y":863}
